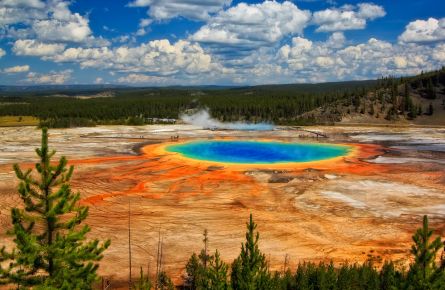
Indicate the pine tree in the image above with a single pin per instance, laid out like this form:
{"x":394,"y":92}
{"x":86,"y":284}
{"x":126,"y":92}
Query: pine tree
{"x":388,"y":277}
{"x":197,"y":267}
{"x":217,"y":273}
{"x":250,"y":269}
{"x":430,"y":90}
{"x":430,"y":110}
{"x":424,"y":273}
{"x":301,"y":277}
{"x":193,"y":270}
{"x":144,"y":282}
{"x":407,"y":101}
{"x":51,"y":250}
{"x":165,"y":282}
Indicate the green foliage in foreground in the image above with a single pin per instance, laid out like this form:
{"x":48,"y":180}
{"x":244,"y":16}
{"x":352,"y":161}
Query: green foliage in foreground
{"x":51,"y":251}
{"x":249,"y":270}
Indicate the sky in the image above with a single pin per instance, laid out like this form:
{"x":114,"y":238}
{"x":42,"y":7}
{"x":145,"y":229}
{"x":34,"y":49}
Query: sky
{"x":217,"y":42}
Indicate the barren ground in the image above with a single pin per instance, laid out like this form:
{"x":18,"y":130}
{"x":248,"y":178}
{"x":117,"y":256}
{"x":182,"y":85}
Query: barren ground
{"x":353,"y":209}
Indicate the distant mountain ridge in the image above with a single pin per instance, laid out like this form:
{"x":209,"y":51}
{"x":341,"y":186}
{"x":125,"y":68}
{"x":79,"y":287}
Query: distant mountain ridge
{"x":98,"y":87}
{"x":38,"y":88}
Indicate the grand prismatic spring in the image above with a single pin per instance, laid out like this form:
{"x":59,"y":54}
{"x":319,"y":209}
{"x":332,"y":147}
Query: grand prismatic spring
{"x":258,"y":152}
{"x":359,"y":193}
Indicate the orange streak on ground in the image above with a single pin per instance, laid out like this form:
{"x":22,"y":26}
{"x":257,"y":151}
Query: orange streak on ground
{"x":100,"y":160}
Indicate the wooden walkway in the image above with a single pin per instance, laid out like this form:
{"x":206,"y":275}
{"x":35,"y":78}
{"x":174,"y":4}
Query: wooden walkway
{"x":317,"y":134}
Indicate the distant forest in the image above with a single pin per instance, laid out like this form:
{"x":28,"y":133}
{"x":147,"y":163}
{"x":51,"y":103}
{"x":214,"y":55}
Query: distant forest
{"x":280,"y":104}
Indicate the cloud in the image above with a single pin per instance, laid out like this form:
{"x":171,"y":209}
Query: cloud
{"x":2,"y":53}
{"x":62,"y":25}
{"x":348,"y":17}
{"x":336,"y":40}
{"x":158,"y":57}
{"x":31,"y":47}
{"x":191,"y":9}
{"x":14,"y":15}
{"x":244,"y":44}
{"x":99,"y":81}
{"x":23,"y":3}
{"x":45,"y":21}
{"x":430,"y":30}
{"x":400,"y":62}
{"x":439,"y":53}
{"x":252,"y":26}
{"x":76,"y":30}
{"x":52,"y":78}
{"x":370,"y":11}
{"x":143,"y":26}
{"x":140,"y":79}
{"x":322,"y":61}
{"x":17,"y":69}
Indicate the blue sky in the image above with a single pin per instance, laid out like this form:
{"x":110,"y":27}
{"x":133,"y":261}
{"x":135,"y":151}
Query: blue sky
{"x":226,"y":42}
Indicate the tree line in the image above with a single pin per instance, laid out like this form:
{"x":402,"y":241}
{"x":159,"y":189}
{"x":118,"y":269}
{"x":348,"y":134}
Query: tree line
{"x":280,"y":104}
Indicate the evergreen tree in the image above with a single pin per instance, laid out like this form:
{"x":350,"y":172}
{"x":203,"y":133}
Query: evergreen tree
{"x":368,"y":277}
{"x":165,"y":282}
{"x":250,"y":269}
{"x":424,"y":273}
{"x":430,"y":90}
{"x":217,"y":273}
{"x":301,"y":277}
{"x":288,"y":281}
{"x":430,"y":110}
{"x":388,"y":277}
{"x":144,"y":282}
{"x":407,"y":100}
{"x":197,"y":267}
{"x":193,"y":270}
{"x":371,"y":110}
{"x":51,"y":251}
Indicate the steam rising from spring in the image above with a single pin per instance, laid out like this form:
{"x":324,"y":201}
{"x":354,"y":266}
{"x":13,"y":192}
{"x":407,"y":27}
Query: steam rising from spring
{"x":203,"y":119}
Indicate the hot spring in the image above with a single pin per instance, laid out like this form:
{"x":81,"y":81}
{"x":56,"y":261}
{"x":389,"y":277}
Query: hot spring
{"x":258,"y":152}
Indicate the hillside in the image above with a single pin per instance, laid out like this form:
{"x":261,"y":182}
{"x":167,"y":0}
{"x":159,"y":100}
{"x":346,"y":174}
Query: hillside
{"x":414,"y":100}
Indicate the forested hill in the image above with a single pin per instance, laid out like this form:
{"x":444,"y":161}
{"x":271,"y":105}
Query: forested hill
{"x":419,"y":99}
{"x":386,"y":100}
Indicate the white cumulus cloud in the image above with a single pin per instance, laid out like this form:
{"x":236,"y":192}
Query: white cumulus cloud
{"x":158,"y":57}
{"x":23,"y":3}
{"x":17,"y":69}
{"x":253,"y":25}
{"x":430,"y":30}
{"x":348,"y":17}
{"x":99,"y":80}
{"x":51,"y":78}
{"x":191,"y":9}
{"x":322,"y":61}
{"x":439,"y":53}
{"x":140,"y":79}
{"x":45,"y":21}
{"x":32,"y":47}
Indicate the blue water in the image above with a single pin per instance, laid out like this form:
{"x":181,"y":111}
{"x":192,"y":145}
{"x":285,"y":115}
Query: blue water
{"x":258,"y":151}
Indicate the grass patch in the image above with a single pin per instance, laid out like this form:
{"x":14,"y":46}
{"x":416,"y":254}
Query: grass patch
{"x":12,"y":121}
